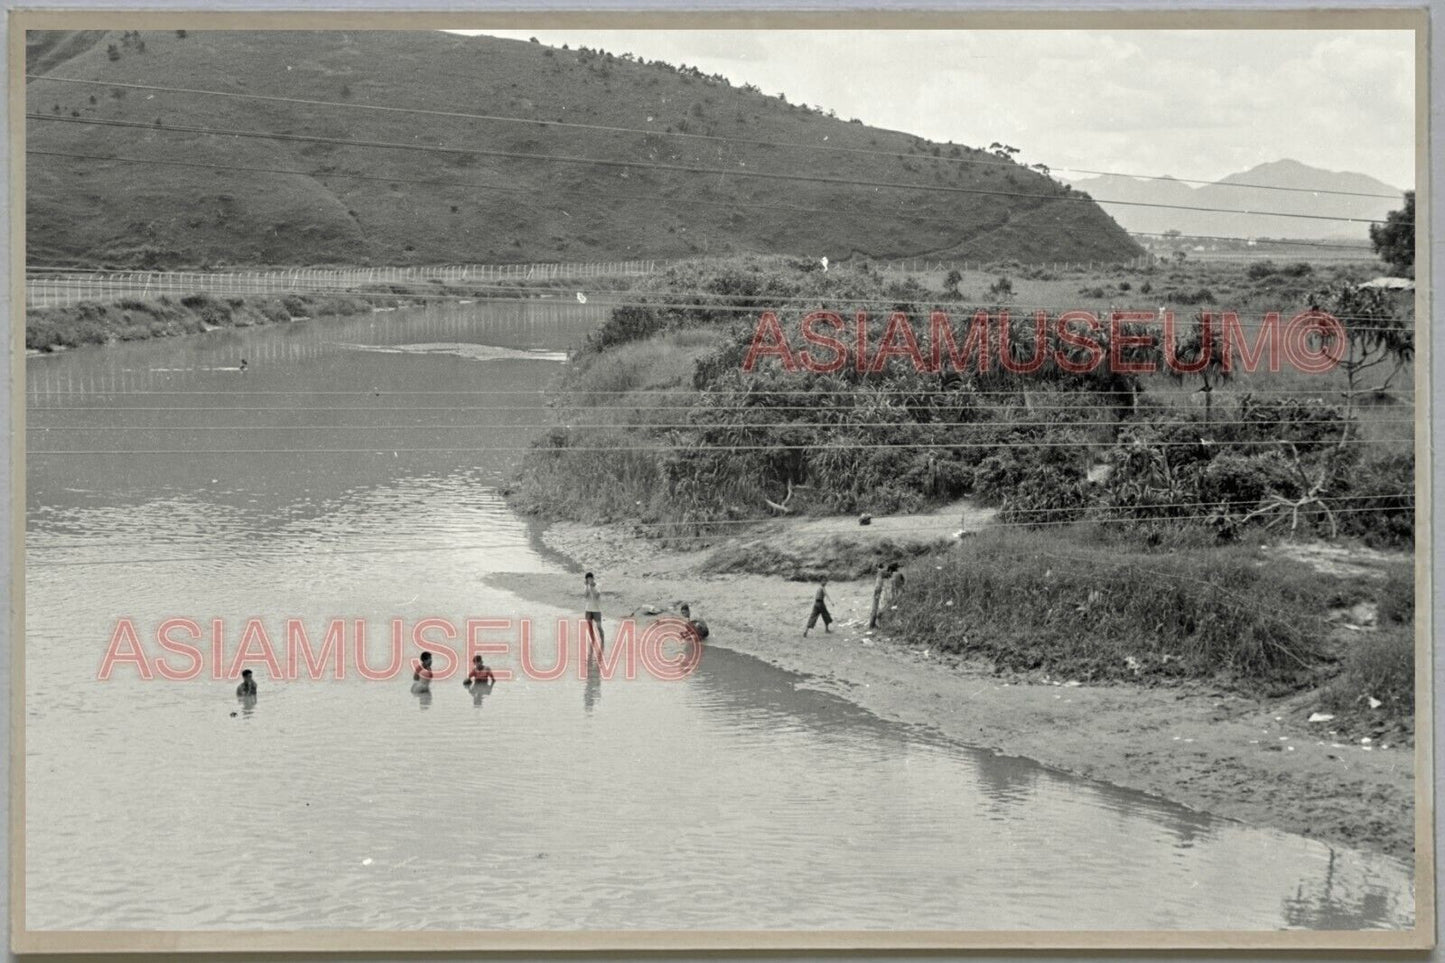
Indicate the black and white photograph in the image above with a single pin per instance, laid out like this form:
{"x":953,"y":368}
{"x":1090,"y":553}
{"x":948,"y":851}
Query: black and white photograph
{"x":774,"y":481}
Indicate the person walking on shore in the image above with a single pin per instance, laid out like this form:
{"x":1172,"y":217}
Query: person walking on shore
{"x":820,"y":608}
{"x":878,"y":584}
{"x":592,"y":614}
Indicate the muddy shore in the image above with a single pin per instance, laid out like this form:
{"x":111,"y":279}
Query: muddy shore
{"x":1217,"y":751}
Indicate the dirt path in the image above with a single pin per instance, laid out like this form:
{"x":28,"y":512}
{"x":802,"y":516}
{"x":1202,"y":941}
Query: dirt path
{"x":1211,"y":750}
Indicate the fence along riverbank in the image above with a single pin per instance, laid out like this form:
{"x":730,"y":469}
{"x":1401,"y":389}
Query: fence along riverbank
{"x":64,"y":287}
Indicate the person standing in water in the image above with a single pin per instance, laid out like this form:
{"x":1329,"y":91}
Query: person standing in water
{"x":820,"y":608}
{"x":481,"y":674}
{"x":592,"y":614}
{"x":247,"y":688}
{"x":421,"y":678}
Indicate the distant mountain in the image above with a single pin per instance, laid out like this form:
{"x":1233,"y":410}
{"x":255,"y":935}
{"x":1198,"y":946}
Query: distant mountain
{"x":1227,"y":194}
{"x":492,"y":191}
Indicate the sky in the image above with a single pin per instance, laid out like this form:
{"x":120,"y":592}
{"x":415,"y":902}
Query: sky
{"x":1191,"y":104}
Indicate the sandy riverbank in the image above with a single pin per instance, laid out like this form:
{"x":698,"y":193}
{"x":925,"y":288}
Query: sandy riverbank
{"x":1259,"y":762}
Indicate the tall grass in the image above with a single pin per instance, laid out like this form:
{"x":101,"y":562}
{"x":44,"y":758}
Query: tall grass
{"x":1061,"y":603}
{"x":1380,"y":665}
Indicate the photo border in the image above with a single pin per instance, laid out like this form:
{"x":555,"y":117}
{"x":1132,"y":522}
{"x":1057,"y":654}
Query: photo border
{"x":1421,"y":936}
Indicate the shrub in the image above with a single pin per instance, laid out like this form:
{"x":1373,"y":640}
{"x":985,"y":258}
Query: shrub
{"x":1119,"y":613}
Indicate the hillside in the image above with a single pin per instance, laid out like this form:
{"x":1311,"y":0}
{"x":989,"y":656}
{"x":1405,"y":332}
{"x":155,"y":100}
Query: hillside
{"x":309,"y":203}
{"x":1225,"y":193}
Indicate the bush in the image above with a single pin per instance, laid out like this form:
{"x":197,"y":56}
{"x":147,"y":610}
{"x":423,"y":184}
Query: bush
{"x":1382,"y":502}
{"x":1098,"y":613}
{"x":1379,"y":665}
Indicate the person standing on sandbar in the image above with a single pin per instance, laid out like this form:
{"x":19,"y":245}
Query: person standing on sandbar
{"x":593,"y":613}
{"x":820,"y":608}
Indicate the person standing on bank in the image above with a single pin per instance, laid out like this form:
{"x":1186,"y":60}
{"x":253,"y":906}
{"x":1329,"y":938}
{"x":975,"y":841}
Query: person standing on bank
{"x":592,"y":615}
{"x":820,"y":608}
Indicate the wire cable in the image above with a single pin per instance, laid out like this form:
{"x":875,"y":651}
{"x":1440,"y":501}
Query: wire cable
{"x":672,"y":168}
{"x":680,"y":135}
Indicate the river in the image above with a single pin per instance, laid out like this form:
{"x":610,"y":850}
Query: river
{"x":351,"y":470}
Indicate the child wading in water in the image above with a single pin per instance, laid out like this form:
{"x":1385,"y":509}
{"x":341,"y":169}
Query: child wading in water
{"x":820,"y":608}
{"x":593,"y":613}
{"x":480,"y":674}
{"x":247,"y":688}
{"x":421,"y":678}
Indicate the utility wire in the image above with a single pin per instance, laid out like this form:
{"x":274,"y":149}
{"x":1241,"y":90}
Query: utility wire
{"x":727,"y":306}
{"x":690,"y":447}
{"x":710,"y":426}
{"x":652,"y":165}
{"x":680,"y":135}
{"x":652,"y":198}
{"x":383,"y":550}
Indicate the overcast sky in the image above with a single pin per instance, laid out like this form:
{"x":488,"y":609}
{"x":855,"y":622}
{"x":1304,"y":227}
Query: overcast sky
{"x":1196,"y":104}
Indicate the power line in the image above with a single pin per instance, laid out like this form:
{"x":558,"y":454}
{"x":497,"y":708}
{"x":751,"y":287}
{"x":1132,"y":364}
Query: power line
{"x":969,"y":309}
{"x":715,"y":426}
{"x":689,"y":202}
{"x":850,"y":391}
{"x":432,"y":182}
{"x":652,"y":165}
{"x":381,"y":550}
{"x":681,"y":135}
{"x":690,"y":447}
{"x":804,"y":520}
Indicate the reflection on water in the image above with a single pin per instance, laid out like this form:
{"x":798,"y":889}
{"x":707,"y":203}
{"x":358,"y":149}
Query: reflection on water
{"x":592,"y":694}
{"x":738,"y":799}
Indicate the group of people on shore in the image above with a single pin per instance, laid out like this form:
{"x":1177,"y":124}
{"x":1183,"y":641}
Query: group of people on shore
{"x":888,"y":578}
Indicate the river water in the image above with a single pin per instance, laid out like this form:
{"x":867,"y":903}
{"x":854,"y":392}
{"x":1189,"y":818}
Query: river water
{"x":351,"y":471}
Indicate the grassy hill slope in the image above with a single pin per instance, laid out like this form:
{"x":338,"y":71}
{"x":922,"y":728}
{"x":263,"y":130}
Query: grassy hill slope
{"x":359,"y":205}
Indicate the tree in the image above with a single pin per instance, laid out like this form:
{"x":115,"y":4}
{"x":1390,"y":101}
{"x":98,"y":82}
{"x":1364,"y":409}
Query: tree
{"x":1201,"y":355}
{"x":1395,"y":239}
{"x":950,"y":282}
{"x":1376,"y":332}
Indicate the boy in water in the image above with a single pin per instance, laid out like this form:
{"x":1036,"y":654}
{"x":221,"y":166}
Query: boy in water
{"x":820,"y":607}
{"x":421,"y":678}
{"x":592,"y":614}
{"x":480,"y":674}
{"x":247,"y":688}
